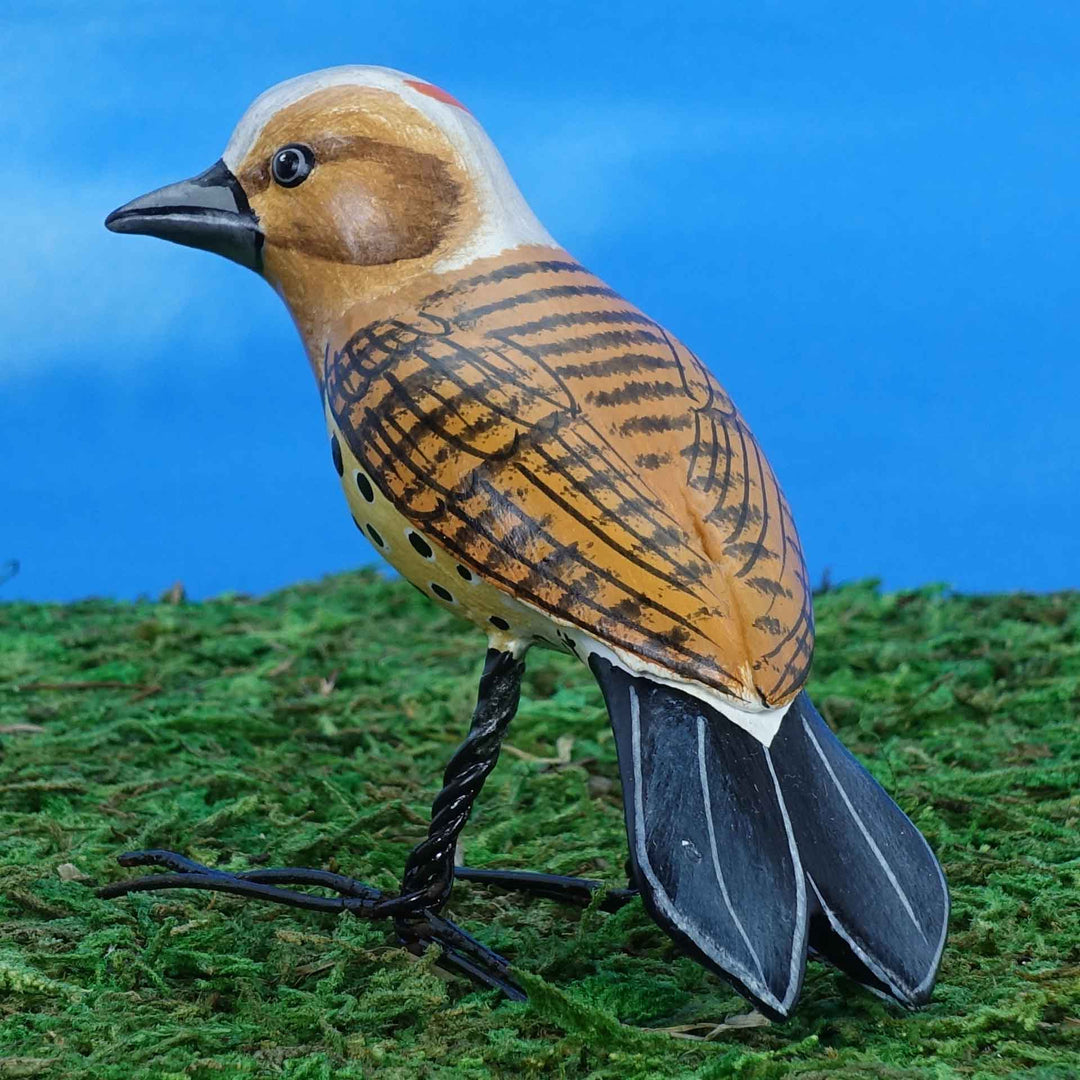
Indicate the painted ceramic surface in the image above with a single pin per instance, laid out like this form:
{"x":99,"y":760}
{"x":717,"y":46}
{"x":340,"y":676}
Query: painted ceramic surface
{"x":558,"y":443}
{"x":527,"y":422}
{"x":534,"y":452}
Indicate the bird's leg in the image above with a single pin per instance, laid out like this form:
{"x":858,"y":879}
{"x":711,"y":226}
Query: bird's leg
{"x":429,"y":871}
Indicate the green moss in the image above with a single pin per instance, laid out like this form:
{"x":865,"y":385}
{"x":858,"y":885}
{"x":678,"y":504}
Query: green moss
{"x":312,"y":727}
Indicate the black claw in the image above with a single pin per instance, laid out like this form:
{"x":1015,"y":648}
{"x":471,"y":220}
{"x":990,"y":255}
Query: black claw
{"x":461,"y":952}
{"x":217,"y":881}
{"x":168,"y":859}
{"x":298,"y":875}
{"x":566,"y":890}
{"x":354,"y":896}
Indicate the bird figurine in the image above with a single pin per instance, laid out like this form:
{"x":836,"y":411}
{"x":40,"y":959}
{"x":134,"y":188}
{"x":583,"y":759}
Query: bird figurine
{"x":542,"y":458}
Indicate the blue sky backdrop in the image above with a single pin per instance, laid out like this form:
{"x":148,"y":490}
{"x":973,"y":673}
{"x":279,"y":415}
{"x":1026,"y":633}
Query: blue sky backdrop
{"x":864,"y":217}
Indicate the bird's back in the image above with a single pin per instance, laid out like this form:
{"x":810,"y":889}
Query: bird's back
{"x":566,"y":449}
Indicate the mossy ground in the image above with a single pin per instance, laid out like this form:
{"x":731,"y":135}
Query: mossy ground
{"x":311,"y":727}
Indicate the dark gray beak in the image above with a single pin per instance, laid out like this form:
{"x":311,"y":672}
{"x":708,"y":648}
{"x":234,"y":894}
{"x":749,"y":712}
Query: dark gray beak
{"x":209,"y":211}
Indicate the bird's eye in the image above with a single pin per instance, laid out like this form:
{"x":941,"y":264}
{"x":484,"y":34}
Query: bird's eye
{"x":292,"y":164}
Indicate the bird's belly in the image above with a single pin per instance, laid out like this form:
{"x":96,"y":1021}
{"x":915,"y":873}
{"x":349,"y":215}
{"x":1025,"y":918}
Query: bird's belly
{"x":510,"y":625}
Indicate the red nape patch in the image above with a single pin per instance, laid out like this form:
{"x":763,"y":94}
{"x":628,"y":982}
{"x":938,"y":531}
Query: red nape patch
{"x":435,"y":92}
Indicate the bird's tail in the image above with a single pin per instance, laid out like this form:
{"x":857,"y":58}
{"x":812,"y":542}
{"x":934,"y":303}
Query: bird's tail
{"x":750,"y":856}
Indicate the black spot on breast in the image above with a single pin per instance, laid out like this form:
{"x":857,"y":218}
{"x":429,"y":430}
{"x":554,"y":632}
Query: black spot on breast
{"x":376,"y":538}
{"x":499,"y":623}
{"x":335,"y":453}
{"x":441,"y":593}
{"x":420,"y":545}
{"x":464,"y":573}
{"x":363,"y":485}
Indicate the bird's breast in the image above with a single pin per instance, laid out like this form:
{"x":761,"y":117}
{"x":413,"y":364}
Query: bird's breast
{"x":421,"y":559}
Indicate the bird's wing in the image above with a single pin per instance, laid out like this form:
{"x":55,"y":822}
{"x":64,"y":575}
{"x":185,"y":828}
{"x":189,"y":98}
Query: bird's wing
{"x":564,"y":446}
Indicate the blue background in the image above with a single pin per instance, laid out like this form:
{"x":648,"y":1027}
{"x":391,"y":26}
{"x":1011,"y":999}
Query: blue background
{"x":863,"y":218}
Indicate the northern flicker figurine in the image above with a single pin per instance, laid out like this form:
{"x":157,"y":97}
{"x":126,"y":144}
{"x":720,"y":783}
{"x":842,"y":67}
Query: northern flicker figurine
{"x":541,"y":457}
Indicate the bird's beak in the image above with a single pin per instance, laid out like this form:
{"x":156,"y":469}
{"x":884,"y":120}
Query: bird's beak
{"x":209,"y":211}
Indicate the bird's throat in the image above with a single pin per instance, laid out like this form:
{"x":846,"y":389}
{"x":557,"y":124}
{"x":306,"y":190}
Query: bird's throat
{"x":320,"y":293}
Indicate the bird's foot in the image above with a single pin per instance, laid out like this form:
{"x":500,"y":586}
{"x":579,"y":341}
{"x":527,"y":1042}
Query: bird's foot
{"x":417,"y":925}
{"x":566,"y":890}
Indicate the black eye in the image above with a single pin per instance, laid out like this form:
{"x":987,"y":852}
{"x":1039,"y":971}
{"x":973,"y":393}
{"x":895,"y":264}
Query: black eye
{"x":292,"y":164}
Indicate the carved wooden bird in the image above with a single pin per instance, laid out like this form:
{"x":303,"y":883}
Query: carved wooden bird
{"x":538,"y":455}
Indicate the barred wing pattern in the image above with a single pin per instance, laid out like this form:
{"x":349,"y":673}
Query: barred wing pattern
{"x":562,"y":445}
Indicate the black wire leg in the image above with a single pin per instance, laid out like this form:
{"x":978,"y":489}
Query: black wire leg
{"x":417,"y":927}
{"x":429,"y":870}
{"x":566,"y":890}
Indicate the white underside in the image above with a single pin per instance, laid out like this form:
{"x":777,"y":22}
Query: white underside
{"x":763,"y":723}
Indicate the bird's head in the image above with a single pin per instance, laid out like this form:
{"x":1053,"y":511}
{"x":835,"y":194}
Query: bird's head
{"x":341,"y":185}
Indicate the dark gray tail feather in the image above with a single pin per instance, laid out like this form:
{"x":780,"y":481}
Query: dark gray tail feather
{"x":881,"y":905}
{"x":712,"y":845}
{"x":749,"y":856}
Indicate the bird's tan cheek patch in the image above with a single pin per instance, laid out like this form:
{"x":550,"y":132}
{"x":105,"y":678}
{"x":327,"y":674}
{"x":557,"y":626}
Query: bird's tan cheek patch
{"x":347,"y":227}
{"x":368,"y":233}
{"x":356,"y":213}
